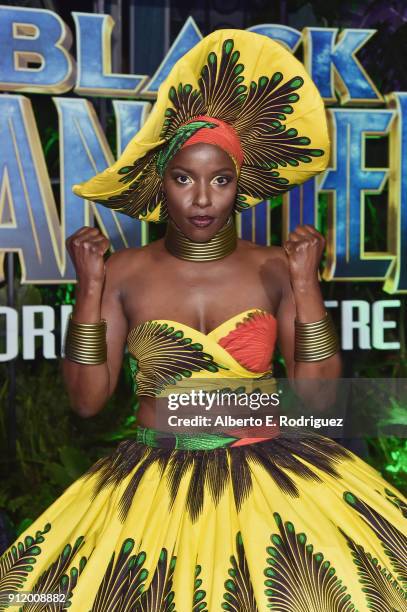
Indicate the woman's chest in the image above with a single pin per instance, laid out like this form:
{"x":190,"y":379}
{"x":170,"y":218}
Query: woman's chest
{"x":200,"y":301}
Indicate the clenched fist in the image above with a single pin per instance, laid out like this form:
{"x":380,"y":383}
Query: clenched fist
{"x":304,"y":249}
{"x":86,"y":248}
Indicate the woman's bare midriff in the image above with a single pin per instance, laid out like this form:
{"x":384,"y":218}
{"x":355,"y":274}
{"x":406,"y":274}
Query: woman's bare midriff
{"x":154,"y":415}
{"x":147,"y":412}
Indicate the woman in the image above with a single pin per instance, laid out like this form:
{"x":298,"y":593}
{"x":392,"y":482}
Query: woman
{"x":211,"y":521}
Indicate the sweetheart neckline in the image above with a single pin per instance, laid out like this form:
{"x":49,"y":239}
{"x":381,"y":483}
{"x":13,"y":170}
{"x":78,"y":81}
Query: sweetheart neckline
{"x":208,"y":334}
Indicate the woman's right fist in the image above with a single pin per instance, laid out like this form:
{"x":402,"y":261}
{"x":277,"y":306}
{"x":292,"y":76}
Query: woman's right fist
{"x":86,"y":248}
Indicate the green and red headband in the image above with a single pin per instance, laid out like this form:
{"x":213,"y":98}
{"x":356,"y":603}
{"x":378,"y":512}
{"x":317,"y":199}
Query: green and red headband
{"x":202,"y":129}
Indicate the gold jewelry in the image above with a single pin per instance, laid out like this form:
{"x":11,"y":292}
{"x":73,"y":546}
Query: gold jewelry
{"x":222,"y":244}
{"x":315,"y":341}
{"x":86,"y":342}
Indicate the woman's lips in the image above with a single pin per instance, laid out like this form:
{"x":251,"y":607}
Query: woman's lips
{"x":201,"y":221}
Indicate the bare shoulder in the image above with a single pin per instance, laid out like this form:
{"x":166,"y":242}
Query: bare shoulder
{"x":265,"y":256}
{"x":129,"y":263}
{"x":271,"y":264}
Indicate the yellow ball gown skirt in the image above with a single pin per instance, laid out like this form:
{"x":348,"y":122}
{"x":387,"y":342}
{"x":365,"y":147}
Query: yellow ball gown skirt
{"x":182,"y":522}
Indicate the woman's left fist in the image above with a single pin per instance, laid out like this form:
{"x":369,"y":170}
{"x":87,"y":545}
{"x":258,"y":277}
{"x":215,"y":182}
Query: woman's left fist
{"x":304,"y":249}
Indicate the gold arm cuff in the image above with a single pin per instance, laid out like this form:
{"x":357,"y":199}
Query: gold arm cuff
{"x":86,"y":342}
{"x":315,"y":341}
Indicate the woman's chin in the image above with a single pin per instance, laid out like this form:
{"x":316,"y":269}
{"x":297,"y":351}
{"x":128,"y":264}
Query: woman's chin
{"x":201,"y":234}
{"x":198,"y":231}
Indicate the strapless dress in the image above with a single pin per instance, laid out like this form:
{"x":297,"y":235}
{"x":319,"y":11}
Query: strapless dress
{"x":205,"y":522}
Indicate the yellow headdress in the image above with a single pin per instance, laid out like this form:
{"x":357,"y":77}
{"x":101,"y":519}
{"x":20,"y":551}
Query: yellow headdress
{"x":245,"y":80}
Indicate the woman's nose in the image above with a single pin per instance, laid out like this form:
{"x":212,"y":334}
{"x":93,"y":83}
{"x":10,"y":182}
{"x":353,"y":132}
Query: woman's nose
{"x":202,"y":197}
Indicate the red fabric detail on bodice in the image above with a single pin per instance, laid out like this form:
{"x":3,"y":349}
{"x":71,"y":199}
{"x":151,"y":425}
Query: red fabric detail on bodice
{"x":252,"y":342}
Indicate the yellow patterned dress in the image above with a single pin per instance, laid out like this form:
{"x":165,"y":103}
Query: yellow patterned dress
{"x":211,"y":522}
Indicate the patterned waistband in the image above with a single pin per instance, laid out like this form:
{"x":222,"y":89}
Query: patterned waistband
{"x":190,"y":441}
{"x":182,"y":440}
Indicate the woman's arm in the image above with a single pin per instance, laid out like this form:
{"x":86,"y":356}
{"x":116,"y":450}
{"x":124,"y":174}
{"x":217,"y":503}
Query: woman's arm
{"x":97,"y":297}
{"x":302,"y":300}
{"x":306,"y":305}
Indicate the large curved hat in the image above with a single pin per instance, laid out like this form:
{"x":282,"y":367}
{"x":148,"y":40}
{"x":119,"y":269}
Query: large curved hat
{"x":245,"y":80}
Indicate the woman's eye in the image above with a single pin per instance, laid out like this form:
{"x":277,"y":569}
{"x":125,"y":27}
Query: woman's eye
{"x":221,"y":180}
{"x":183,"y":179}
